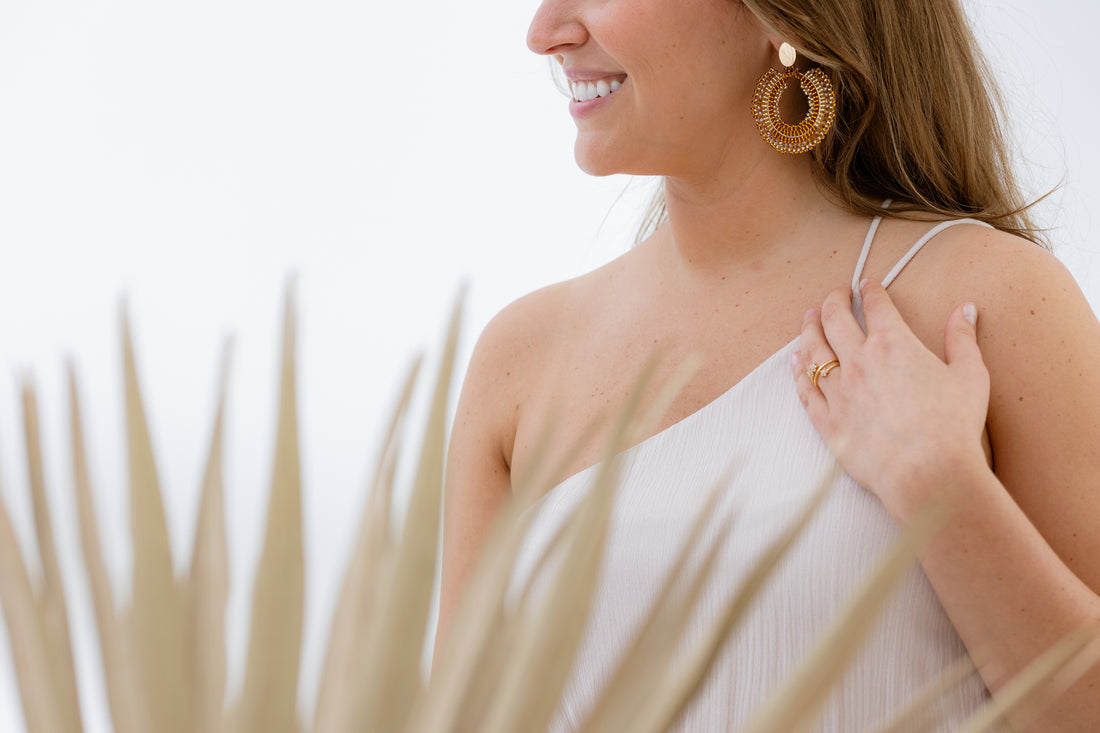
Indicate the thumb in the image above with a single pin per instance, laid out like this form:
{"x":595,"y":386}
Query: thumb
{"x":960,"y":337}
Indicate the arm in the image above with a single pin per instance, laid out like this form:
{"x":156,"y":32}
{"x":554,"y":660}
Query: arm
{"x":506,"y":362}
{"x":1018,"y":564}
{"x":477,"y":478}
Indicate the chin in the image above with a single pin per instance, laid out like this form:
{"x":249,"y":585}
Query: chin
{"x":599,"y":160}
{"x":597,"y":170}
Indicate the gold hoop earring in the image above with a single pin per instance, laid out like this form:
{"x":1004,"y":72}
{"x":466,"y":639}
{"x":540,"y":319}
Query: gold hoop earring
{"x":807,"y":134}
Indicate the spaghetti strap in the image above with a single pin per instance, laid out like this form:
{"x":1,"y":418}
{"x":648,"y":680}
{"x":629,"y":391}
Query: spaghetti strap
{"x":857,"y":300}
{"x":862,"y":262}
{"x":921,"y":242}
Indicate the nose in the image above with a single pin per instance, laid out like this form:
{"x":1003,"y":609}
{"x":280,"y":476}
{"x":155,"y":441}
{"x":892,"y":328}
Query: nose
{"x":555,"y":28}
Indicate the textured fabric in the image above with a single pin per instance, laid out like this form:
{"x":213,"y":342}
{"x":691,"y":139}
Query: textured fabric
{"x":758,"y":429}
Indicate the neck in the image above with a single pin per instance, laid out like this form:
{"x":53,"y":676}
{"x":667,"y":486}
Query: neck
{"x":734,"y":218}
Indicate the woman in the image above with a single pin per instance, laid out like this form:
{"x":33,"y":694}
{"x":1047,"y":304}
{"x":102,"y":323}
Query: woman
{"x":752,"y":231}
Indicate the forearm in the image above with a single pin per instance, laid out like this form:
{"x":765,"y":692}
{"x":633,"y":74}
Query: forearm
{"x":1008,"y":593}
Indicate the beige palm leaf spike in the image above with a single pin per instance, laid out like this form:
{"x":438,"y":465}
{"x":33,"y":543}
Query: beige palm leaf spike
{"x":535,"y":669}
{"x":453,"y":694}
{"x":637,"y":676}
{"x":485,"y":689}
{"x":397,"y":633}
{"x":125,"y":699}
{"x":208,"y":583}
{"x":794,"y":707}
{"x":26,"y":635}
{"x":346,"y":669}
{"x":51,"y":598}
{"x":661,"y":709}
{"x":457,"y":700}
{"x":155,"y":623}
{"x":540,"y":662}
{"x":268,"y":701}
{"x":919,"y":714}
{"x":1020,"y":690}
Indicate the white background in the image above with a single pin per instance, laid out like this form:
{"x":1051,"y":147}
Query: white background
{"x":189,"y":156}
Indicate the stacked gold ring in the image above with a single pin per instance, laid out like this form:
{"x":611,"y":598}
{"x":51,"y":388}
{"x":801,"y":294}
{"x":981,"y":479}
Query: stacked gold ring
{"x":816,"y":372}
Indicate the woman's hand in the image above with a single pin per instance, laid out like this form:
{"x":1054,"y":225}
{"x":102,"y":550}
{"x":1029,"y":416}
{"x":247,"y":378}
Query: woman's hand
{"x":1017,"y":566}
{"x":903,"y":423}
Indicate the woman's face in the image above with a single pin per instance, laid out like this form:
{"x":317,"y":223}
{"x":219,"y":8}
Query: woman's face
{"x":672,"y":80}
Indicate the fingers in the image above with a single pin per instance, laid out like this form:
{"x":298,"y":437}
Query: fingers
{"x":841,"y":329}
{"x":812,"y":398}
{"x":814,"y":351}
{"x":813,"y":344}
{"x":960,"y":338}
{"x":879,"y":312}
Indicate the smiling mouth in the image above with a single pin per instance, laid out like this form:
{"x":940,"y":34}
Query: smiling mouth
{"x":586,"y":91}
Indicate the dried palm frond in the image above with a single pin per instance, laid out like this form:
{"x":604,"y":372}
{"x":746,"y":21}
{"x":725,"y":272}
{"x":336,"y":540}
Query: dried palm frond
{"x":154,"y":627}
{"x":27,"y":636}
{"x":505,"y":664}
{"x":347,"y":661}
{"x":269,"y":698}
{"x":55,"y":617}
{"x":124,"y":697}
{"x":207,"y":587}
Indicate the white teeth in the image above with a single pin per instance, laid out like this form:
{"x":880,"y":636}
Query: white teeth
{"x":585,"y":91}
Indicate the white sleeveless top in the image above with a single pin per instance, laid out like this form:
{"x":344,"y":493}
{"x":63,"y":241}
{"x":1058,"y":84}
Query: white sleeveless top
{"x":760,"y":428}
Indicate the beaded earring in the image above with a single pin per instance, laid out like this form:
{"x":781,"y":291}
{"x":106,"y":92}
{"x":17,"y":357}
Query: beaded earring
{"x":785,"y":137}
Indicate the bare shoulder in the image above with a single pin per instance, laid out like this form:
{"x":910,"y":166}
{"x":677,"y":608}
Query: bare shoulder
{"x":1003,"y":261}
{"x":506,"y":363}
{"x":514,"y":353}
{"x":1026,"y":297}
{"x":533,"y":322}
{"x":1036,"y":329}
{"x":1030,"y":304}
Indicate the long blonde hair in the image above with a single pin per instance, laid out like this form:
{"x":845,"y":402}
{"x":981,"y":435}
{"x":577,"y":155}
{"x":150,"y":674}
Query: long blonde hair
{"x":918,"y":115}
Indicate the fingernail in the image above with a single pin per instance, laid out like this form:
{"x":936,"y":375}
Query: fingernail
{"x":809,"y":313}
{"x":796,"y":360}
{"x":863,"y":284}
{"x":970,"y":313}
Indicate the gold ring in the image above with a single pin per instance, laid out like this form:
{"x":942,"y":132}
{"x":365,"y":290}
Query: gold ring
{"x":817,"y":372}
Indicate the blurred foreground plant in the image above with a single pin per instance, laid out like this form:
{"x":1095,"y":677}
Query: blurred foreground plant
{"x":505,"y":664}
